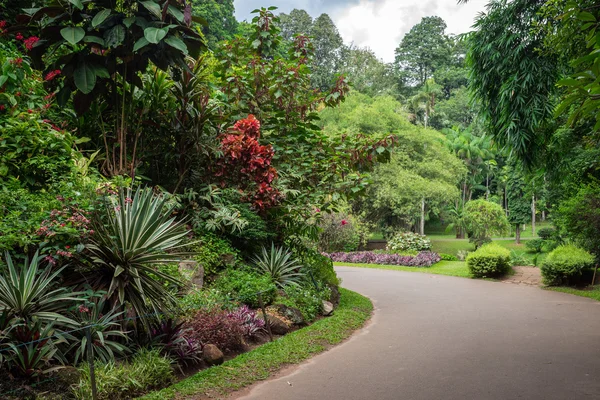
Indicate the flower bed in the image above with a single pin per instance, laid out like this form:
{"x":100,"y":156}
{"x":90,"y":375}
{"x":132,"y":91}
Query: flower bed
{"x":423,"y":259}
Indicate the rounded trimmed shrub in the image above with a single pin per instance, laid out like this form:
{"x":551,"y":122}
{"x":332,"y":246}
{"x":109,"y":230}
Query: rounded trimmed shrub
{"x":565,"y":264}
{"x":488,"y":261}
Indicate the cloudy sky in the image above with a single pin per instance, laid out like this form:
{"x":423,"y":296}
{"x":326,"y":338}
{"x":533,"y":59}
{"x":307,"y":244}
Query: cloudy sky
{"x":378,"y":24}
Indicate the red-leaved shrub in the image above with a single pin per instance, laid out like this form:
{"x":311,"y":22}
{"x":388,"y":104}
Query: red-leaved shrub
{"x":247,"y":164}
{"x":216,"y":327}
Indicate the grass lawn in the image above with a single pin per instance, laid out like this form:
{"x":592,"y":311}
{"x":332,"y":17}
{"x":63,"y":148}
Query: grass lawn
{"x":592,"y":293}
{"x":259,"y":364}
{"x":450,"y":268}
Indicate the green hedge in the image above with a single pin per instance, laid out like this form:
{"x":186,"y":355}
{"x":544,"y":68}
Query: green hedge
{"x":565,"y":264}
{"x":488,"y":261}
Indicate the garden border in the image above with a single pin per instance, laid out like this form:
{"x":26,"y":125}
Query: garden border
{"x":264,"y":361}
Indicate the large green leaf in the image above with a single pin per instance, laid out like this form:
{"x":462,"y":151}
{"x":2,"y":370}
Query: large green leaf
{"x":100,"y":17}
{"x":115,"y":36}
{"x":176,"y":43}
{"x":155,"y":35}
{"x":85,"y":77}
{"x":77,"y":3}
{"x":140,"y":43}
{"x":72,"y":34}
{"x":152,"y":7}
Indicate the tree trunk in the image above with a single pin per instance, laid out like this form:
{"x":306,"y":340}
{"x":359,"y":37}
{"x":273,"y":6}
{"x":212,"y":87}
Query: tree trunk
{"x":543,"y":215}
{"x":422,"y":225}
{"x":518,"y":233}
{"x":533,"y":216}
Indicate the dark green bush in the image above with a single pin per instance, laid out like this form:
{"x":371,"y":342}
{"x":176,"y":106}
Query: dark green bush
{"x":243,"y":285}
{"x":306,"y":299}
{"x":317,"y":267}
{"x":534,"y":245}
{"x":546,"y":233}
{"x":214,"y":253}
{"x":488,"y":261}
{"x":565,"y":264}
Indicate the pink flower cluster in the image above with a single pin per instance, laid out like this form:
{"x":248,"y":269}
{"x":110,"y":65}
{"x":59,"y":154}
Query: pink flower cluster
{"x":423,"y":259}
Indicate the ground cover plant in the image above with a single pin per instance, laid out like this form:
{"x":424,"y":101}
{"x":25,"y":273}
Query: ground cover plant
{"x":422,"y":259}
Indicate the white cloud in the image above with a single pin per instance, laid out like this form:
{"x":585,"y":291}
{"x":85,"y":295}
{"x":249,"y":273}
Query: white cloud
{"x":381,"y":24}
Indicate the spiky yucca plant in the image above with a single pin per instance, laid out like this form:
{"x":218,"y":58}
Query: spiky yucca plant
{"x":137,"y":234}
{"x":280,"y":266}
{"x":27,"y":293}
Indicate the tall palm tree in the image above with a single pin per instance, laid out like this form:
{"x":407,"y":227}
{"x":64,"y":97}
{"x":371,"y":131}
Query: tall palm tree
{"x":425,"y":99}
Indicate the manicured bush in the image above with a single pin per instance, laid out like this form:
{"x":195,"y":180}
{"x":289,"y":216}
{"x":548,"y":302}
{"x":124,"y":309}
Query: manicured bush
{"x":488,"y":261}
{"x":546,"y":233}
{"x":147,"y":370}
{"x":423,"y":259}
{"x":565,"y":264}
{"x":408,"y":241}
{"x":534,"y":245}
{"x":448,"y":257}
{"x":243,"y":285}
{"x":218,"y":327}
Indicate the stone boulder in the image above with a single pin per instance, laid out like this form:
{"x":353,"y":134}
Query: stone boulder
{"x":327,"y":308}
{"x":334,"y":298}
{"x":278,"y":326}
{"x":212,"y":355}
{"x":192,"y":271}
{"x":292,"y":314}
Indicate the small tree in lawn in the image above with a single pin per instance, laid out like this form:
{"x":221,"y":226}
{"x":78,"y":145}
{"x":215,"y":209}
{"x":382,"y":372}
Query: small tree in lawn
{"x":519,"y":206}
{"x":484,"y":219}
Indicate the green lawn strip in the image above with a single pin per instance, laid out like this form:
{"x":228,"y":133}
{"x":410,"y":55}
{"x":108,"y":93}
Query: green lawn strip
{"x":591,"y":293}
{"x":259,"y":364}
{"x":449,"y":268}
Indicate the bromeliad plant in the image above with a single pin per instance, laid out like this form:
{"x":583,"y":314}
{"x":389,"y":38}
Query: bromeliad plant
{"x":105,"y":332}
{"x":280,"y":266}
{"x":137,"y":234}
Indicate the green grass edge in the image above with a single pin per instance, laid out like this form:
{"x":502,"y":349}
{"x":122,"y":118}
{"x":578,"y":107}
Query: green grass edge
{"x":448,"y":268}
{"x":261,"y":363}
{"x":590,"y":293}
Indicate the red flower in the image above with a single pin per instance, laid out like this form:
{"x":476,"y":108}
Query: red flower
{"x":344,"y":222}
{"x":52,"y":74}
{"x":2,"y":24}
{"x":30,"y":111}
{"x":19,"y":36}
{"x":30,"y":42}
{"x":18,"y":94}
{"x":17,"y":61}
{"x":2,"y":107}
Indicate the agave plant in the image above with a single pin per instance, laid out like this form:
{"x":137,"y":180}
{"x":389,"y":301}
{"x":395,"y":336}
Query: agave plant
{"x":27,"y":293}
{"x":280,"y":266}
{"x":137,"y":234}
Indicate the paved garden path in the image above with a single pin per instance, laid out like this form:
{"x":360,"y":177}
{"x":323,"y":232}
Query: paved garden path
{"x":436,"y":337}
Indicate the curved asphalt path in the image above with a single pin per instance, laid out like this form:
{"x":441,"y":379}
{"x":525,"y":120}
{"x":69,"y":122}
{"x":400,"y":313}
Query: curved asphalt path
{"x":436,"y":337}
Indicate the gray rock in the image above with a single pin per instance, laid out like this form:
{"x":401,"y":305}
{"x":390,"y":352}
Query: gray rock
{"x":193,"y":271}
{"x":334,"y":298}
{"x":278,"y":327}
{"x":291,"y":313}
{"x":212,"y":355}
{"x":327,"y":308}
